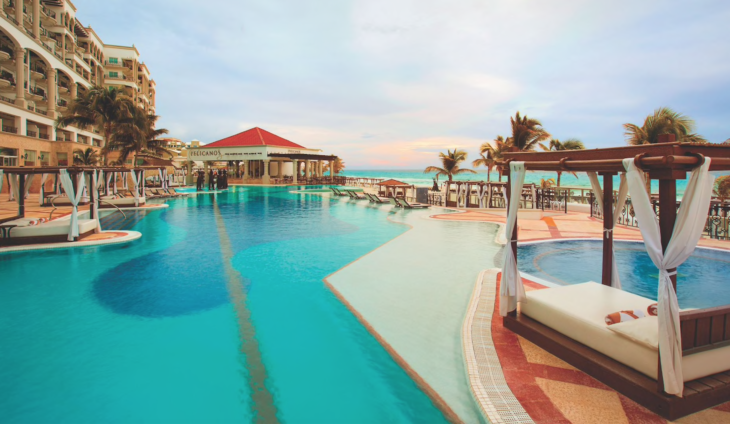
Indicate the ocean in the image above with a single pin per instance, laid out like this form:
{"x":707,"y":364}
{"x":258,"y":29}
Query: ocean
{"x":418,"y":178}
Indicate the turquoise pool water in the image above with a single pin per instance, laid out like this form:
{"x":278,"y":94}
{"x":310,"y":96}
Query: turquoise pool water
{"x":218,"y":314}
{"x":701,"y":280}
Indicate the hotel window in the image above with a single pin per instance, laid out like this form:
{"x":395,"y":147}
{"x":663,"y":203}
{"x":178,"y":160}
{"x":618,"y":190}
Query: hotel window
{"x":29,"y":157}
{"x":113,"y":60}
{"x":62,"y":159}
{"x":45,"y":158}
{"x":113,"y":74}
{"x":8,"y":157}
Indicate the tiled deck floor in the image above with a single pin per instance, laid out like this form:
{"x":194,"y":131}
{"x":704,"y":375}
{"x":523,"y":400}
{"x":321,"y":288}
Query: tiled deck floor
{"x":570,"y":225}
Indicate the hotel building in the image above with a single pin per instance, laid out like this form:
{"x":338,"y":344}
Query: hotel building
{"x":48,"y":58}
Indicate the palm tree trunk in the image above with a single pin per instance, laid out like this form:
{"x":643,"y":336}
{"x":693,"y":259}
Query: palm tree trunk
{"x":489,"y":172}
{"x":559,"y":174}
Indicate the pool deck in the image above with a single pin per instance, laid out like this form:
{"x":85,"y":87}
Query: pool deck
{"x":564,"y":226}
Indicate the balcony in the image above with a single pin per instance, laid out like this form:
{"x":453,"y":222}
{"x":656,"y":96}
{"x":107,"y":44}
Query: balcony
{"x":7,"y":100}
{"x":37,"y":73}
{"x":30,"y":133}
{"x":37,"y":93}
{"x":9,"y":129}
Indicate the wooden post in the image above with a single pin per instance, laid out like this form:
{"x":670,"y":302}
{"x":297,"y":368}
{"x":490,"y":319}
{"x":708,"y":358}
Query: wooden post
{"x":21,"y":194}
{"x":607,"y":226}
{"x":92,"y":193}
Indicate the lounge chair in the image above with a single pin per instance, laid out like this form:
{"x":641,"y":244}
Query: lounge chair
{"x":150,"y":194}
{"x":355,"y":195}
{"x":376,"y":199}
{"x":337,"y":192}
{"x":160,"y":193}
{"x":174,"y":193}
{"x":393,"y":201}
{"x":404,"y":204}
{"x":120,"y":202}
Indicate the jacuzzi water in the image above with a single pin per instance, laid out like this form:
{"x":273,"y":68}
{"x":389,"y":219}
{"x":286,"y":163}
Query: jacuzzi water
{"x":702,"y":281}
{"x":218,"y":314}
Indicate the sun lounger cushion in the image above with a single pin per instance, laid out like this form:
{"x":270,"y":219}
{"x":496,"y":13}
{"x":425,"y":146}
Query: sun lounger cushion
{"x":642,"y":331}
{"x":578,"y":311}
{"x":122,"y":202}
{"x":624,"y":316}
{"x":52,"y":228}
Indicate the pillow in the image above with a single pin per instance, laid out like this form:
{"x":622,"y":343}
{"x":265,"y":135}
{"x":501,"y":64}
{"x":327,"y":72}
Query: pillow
{"x":623,"y":316}
{"x":642,"y":331}
{"x":653,"y":309}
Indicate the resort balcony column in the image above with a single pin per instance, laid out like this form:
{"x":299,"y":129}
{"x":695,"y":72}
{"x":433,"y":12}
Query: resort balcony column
{"x":246,"y":169}
{"x":189,"y":177}
{"x":205,"y":173}
{"x":20,"y":72}
{"x":74,"y":90}
{"x":296,"y":170}
{"x":36,"y":19}
{"x":266,"y":179}
{"x":19,"y":13}
{"x":52,"y":93}
{"x":306,"y":169}
{"x":280,"y":174}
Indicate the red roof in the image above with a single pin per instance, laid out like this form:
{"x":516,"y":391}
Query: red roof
{"x":393,"y":183}
{"x":254,"y":137}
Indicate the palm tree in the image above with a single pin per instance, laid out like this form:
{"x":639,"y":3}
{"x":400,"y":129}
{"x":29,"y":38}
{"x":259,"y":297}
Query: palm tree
{"x":450,"y":164}
{"x":138,"y":134}
{"x":492,"y":152}
{"x":569,"y":144}
{"x":339,"y":166}
{"x":663,"y":121}
{"x":85,"y":157}
{"x":99,"y":106}
{"x":722,"y":188}
{"x":546,"y":183}
{"x":526,"y":133}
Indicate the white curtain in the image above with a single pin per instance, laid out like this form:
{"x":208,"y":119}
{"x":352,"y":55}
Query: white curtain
{"x":687,"y":231}
{"x":13,"y":179}
{"x":461,"y":196}
{"x":1,"y":180}
{"x":135,"y":192}
{"x":97,"y":183}
{"x":483,"y":196}
{"x":511,"y":289}
{"x":42,"y":193}
{"x":623,"y":191}
{"x":162,"y":177}
{"x":26,"y":187}
{"x":74,"y":197}
{"x":108,"y":181}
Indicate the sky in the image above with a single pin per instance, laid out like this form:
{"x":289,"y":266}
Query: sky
{"x":388,"y":84}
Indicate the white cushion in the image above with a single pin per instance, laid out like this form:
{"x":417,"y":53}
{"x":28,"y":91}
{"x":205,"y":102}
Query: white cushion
{"x":53,"y":228}
{"x":579,"y":312}
{"x":643,"y":331}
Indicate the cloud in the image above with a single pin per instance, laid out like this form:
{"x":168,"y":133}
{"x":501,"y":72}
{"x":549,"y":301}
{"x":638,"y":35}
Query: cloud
{"x":390,"y":83}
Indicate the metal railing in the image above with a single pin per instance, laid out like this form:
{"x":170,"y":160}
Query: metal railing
{"x":9,"y":129}
{"x":30,"y":133}
{"x":717,"y":225}
{"x":7,"y":99}
{"x":44,"y":136}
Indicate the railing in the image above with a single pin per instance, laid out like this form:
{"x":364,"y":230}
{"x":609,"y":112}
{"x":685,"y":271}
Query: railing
{"x":552,"y":199}
{"x":7,"y":99}
{"x":44,"y":136}
{"x":30,"y":133}
{"x":48,"y":12}
{"x":9,"y":129}
{"x":7,"y":76}
{"x":717,"y":225}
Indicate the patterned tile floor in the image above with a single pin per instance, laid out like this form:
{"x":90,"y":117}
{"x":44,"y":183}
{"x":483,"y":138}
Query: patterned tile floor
{"x":552,"y":391}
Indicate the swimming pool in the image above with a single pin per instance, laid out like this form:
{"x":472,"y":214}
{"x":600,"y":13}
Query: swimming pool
{"x":701,"y":280}
{"x":217,"y":314}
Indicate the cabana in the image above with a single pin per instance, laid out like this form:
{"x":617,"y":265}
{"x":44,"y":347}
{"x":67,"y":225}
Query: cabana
{"x":75,"y":181}
{"x":390,"y":188}
{"x":673,"y":364}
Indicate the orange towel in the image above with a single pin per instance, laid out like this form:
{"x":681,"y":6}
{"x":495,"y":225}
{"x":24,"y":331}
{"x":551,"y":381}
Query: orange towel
{"x":623,"y":316}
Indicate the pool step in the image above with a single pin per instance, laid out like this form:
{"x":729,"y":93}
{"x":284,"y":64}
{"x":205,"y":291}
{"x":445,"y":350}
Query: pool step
{"x":117,"y":221}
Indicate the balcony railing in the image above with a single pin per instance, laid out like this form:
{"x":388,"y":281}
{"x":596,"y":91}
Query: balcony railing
{"x":7,"y":76}
{"x":44,"y":136}
{"x":9,"y":129}
{"x":30,"y":133}
{"x":48,"y":12}
{"x":7,"y":99}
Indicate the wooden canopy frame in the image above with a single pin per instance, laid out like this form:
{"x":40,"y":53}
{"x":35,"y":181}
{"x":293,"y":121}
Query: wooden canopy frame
{"x":23,"y":171}
{"x":701,"y":330}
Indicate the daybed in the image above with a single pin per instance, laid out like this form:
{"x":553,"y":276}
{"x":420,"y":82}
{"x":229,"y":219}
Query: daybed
{"x":107,"y":202}
{"x":47,"y":232}
{"x":579,"y":312}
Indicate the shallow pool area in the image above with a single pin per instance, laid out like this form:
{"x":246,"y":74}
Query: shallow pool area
{"x":701,"y":280}
{"x":219,"y":313}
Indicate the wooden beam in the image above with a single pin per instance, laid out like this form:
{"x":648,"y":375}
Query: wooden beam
{"x":607,"y":229}
{"x":21,"y":196}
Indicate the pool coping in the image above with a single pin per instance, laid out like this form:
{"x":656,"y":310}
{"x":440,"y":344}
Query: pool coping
{"x":129,"y":237}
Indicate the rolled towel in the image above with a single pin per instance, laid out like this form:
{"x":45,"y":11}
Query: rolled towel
{"x":623,"y":316}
